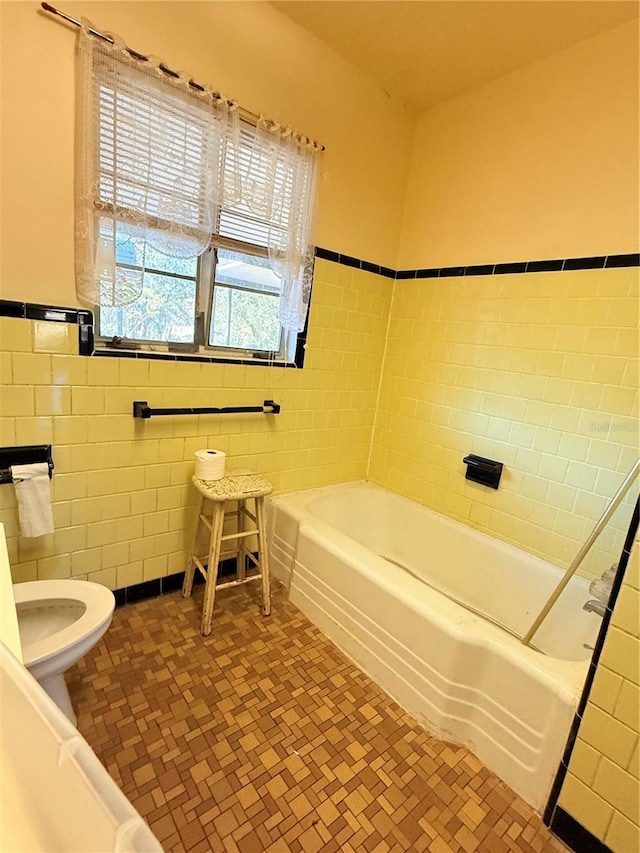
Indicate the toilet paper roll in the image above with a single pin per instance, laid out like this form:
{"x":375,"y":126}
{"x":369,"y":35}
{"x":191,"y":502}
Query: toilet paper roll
{"x":210,"y":464}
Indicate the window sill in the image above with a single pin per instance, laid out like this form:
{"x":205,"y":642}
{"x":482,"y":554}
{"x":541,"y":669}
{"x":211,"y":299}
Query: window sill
{"x":113,"y":352}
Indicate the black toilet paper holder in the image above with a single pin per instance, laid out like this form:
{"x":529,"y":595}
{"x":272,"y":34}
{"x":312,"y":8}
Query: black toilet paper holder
{"x":487,"y":472}
{"x":29,"y":454}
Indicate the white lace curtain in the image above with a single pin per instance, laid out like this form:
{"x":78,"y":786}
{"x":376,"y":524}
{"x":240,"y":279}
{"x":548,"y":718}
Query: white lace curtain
{"x":165,"y":165}
{"x":277,"y":174}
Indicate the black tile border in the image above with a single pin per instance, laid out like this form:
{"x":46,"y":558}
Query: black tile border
{"x":85,"y":339}
{"x":545,"y":266}
{"x":552,"y":807}
{"x":510,"y":269}
{"x":614,"y":261}
{"x":328,"y":255}
{"x":83,"y":318}
{"x":169,"y":583}
{"x":142,"y":591}
{"x":480,"y":269}
{"x":8,"y":308}
{"x":522,"y":267}
{"x":574,"y":835}
{"x":450,"y":272}
{"x":51,"y":313}
{"x":585,"y":263}
{"x":595,"y":262}
{"x":350,"y":261}
{"x":77,"y":316}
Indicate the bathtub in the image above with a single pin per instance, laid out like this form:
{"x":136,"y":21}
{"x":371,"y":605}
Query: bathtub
{"x":427,"y":607}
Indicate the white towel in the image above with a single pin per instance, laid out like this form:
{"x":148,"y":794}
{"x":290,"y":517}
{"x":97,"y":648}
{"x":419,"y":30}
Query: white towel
{"x":34,"y":498}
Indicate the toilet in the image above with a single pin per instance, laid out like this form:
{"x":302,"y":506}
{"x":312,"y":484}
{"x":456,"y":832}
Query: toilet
{"x":59,"y":621}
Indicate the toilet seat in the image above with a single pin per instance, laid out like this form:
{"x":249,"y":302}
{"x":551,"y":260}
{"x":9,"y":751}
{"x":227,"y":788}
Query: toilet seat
{"x":98,"y":604}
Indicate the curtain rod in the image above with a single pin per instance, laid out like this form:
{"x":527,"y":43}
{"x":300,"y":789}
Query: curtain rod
{"x":248,"y":116}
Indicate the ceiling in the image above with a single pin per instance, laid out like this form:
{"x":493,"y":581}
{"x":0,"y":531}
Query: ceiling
{"x":424,"y":52}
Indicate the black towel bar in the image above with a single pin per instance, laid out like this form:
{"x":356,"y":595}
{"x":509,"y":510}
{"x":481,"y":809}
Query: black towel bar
{"x":141,"y":409}
{"x":29,"y":454}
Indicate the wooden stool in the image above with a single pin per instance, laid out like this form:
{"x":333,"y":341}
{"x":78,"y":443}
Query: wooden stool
{"x":240,"y":488}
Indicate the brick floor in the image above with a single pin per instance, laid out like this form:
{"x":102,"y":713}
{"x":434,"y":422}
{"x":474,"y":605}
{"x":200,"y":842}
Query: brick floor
{"x":264,"y":737}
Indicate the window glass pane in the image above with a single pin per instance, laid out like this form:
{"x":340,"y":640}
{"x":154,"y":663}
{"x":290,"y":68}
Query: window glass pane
{"x":132,"y":248}
{"x":244,"y":319}
{"x":165,"y":311}
{"x":247,"y":271}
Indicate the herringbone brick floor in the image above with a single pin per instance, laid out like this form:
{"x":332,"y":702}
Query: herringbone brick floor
{"x":264,"y":737}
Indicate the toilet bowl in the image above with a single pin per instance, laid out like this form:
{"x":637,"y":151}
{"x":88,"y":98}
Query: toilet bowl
{"x":59,"y":621}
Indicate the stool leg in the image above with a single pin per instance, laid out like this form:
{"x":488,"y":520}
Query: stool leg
{"x":217,"y":523}
{"x":241,"y":559}
{"x":263,"y":556}
{"x":187,"y":584}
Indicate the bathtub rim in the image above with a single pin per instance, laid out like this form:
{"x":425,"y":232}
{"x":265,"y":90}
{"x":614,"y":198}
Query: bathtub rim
{"x":566,"y":676}
{"x":304,"y":496}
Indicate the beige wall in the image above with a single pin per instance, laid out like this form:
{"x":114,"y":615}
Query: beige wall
{"x":247,"y":50}
{"x":542,"y":163}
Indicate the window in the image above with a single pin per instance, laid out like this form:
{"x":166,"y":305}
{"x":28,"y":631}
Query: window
{"x":192,"y":226}
{"x":225,"y":301}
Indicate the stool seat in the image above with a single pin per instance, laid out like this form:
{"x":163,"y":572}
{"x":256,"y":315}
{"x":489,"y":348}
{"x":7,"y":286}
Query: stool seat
{"x":234,"y":487}
{"x":237,"y":487}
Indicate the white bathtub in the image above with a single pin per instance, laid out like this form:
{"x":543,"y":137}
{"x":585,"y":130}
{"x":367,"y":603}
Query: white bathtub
{"x":459,"y":674}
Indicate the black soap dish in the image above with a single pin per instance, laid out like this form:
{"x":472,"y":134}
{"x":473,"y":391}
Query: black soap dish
{"x":487,"y":472}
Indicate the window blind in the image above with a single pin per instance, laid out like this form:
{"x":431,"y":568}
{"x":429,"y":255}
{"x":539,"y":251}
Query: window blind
{"x":260,"y":217}
{"x":151,"y":150}
{"x":154,"y":155}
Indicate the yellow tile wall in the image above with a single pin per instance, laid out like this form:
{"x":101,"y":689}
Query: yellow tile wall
{"x":538,"y":371}
{"x":123,"y":504}
{"x":602,"y":788}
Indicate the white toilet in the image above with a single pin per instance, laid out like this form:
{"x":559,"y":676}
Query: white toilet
{"x":59,"y":621}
